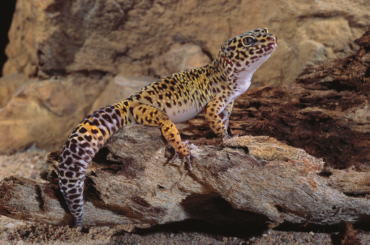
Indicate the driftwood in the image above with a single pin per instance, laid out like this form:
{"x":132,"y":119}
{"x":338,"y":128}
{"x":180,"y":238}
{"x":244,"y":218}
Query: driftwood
{"x":325,"y":115}
{"x":132,"y":182}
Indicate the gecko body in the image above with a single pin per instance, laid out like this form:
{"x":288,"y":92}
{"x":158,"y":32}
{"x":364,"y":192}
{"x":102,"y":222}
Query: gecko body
{"x":173,"y":99}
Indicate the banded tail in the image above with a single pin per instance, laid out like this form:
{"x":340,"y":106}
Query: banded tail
{"x":82,"y":145}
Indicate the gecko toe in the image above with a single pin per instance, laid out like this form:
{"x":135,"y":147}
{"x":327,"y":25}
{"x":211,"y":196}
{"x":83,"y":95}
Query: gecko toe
{"x":174,"y":157}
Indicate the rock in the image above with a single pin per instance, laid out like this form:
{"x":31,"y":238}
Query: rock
{"x":125,"y":37}
{"x":118,"y":89}
{"x":179,"y":58}
{"x":43,"y":113}
{"x":8,"y":86}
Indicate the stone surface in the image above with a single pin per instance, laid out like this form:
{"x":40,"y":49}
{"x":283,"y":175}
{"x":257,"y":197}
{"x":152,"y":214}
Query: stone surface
{"x":179,"y":58}
{"x":67,"y":39}
{"x":9,"y":85}
{"x":44,"y":112}
{"x":118,"y":89}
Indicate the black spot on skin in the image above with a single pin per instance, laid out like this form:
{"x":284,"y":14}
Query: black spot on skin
{"x":64,"y":181}
{"x":94,"y":123}
{"x":88,"y":138}
{"x":69,"y":174}
{"x":94,"y":131}
{"x":108,"y":118}
{"x":132,"y":110}
{"x":76,"y":157}
{"x":72,"y":191}
{"x":109,"y":110}
{"x":85,"y":145}
{"x":168,"y":105}
{"x":82,"y":130}
{"x":73,"y":148}
{"x":81,"y":152}
{"x":169,"y":95}
{"x":148,"y":99}
{"x":102,"y":131}
{"x":66,"y":153}
{"x":74,"y":206}
{"x":74,"y":196}
{"x":164,"y":86}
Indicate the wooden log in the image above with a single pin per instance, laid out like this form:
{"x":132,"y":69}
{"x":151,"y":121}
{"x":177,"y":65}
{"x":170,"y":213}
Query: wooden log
{"x":132,"y":182}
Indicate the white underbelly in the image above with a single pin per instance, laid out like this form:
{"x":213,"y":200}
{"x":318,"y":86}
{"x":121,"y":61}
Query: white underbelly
{"x":182,"y":115}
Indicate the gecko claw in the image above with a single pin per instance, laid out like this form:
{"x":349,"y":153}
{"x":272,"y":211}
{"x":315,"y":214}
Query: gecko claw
{"x":188,"y":162}
{"x":175,"y":157}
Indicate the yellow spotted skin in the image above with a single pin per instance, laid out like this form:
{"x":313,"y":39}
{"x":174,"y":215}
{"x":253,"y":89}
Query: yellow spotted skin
{"x":173,"y":99}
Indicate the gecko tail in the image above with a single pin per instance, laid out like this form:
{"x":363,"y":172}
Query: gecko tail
{"x":82,"y":145}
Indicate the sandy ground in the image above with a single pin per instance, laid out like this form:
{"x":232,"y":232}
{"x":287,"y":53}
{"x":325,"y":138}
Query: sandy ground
{"x":28,"y":164}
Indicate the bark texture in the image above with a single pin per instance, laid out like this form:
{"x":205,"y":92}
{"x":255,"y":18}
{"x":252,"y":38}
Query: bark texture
{"x":251,"y":179}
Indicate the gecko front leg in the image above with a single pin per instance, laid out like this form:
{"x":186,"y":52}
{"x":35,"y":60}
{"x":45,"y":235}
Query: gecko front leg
{"x":217,"y":116}
{"x":150,"y":116}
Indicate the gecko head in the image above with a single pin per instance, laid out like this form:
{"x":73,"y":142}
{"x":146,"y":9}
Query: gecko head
{"x":247,"y":51}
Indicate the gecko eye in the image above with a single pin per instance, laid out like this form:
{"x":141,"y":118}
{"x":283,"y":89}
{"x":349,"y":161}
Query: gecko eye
{"x":248,"y":40}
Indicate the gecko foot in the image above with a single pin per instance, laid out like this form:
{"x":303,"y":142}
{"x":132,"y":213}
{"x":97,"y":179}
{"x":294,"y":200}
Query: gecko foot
{"x":187,"y":156}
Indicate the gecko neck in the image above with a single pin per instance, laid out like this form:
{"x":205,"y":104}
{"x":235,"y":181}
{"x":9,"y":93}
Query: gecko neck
{"x":238,"y":80}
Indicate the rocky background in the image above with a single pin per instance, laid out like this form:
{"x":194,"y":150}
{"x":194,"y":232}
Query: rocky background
{"x":69,"y":58}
